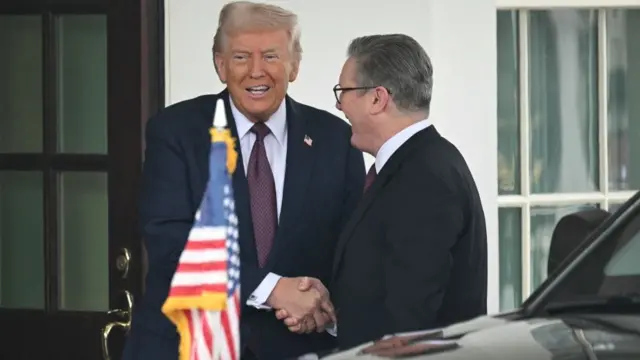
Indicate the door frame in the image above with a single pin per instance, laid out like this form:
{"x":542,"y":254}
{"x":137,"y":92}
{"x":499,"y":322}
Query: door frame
{"x":135,"y":91}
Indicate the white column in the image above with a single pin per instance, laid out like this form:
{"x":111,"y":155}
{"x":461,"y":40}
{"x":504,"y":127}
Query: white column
{"x":459,"y":35}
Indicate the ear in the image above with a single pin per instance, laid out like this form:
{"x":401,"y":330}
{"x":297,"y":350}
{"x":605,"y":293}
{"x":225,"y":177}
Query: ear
{"x":220,"y":67}
{"x":295,"y":67}
{"x":380,"y":100}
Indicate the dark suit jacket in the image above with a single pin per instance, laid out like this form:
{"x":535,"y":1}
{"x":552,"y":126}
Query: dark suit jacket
{"x":323,"y":184}
{"x":414,"y":253}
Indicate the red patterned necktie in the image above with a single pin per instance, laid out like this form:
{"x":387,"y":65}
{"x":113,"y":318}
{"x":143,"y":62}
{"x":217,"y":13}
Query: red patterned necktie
{"x":262,"y":191}
{"x":371,"y":176}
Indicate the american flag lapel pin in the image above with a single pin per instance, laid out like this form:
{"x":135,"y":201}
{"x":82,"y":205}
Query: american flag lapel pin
{"x":307,"y":140}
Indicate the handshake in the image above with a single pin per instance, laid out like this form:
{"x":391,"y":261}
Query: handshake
{"x":303,"y":304}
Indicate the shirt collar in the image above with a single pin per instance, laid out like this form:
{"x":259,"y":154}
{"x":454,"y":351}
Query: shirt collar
{"x":390,"y":146}
{"x":277,"y":123}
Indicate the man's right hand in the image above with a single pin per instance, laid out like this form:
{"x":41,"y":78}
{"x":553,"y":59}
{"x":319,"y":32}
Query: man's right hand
{"x":304,"y":299}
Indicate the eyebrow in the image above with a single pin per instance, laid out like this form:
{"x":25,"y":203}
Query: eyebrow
{"x":244,"y":51}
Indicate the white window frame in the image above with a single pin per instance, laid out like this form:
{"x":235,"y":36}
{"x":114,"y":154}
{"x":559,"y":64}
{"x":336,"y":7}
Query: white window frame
{"x":549,"y":4}
{"x":526,"y":200}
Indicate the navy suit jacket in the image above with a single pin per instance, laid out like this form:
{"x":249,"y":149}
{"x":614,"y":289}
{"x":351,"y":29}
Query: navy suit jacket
{"x":323,"y":183}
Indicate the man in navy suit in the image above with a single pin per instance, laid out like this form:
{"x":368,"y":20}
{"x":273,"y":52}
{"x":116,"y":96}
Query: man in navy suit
{"x":298,"y":180}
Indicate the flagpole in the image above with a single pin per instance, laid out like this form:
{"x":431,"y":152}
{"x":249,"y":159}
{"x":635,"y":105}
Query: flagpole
{"x":205,"y":308}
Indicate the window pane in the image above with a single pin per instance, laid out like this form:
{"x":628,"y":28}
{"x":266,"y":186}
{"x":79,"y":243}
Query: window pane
{"x":84,"y":241}
{"x":21,"y":240}
{"x":543,"y":222}
{"x":613,"y":207}
{"x":563,"y":101}
{"x":508,"y":99}
{"x":623,"y":54}
{"x":82,"y":83}
{"x":625,"y":261}
{"x":21,"y":83}
{"x":510,"y":248}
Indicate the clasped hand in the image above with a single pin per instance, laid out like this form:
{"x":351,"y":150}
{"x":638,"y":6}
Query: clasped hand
{"x":303,"y":304}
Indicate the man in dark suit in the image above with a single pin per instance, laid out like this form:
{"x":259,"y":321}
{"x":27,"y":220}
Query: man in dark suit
{"x":297,"y":181}
{"x":414,"y":253}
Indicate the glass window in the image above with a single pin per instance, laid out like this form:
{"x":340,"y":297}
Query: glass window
{"x":508,"y":99}
{"x":510,"y":258}
{"x":625,"y":261}
{"x":21,"y":84}
{"x":563,"y":70}
{"x":84,"y":241}
{"x":623,"y":69}
{"x":21,"y":240}
{"x":543,"y":221}
{"x":568,"y":128}
{"x":82,"y":83}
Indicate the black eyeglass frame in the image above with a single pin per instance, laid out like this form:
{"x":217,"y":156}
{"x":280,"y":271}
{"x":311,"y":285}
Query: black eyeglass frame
{"x":338,"y":88}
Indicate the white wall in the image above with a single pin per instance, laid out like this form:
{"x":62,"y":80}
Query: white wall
{"x":459,"y":35}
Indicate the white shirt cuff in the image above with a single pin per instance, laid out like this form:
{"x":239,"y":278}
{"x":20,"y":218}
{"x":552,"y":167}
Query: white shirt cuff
{"x":259,"y":297}
{"x":332,"y":330}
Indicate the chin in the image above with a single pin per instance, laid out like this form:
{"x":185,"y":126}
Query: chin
{"x":259,"y":108}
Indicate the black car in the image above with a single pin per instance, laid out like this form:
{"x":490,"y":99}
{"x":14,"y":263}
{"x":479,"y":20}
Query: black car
{"x":588,"y":308}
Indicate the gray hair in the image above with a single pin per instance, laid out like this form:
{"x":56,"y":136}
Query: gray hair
{"x":398,"y":63}
{"x":241,"y":16}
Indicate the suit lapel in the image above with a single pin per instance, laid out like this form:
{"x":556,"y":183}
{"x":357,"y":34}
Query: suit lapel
{"x":383,"y":178}
{"x":300,"y":162}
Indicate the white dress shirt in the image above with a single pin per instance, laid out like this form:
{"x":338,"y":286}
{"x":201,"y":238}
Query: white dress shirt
{"x":393,"y":144}
{"x":275,"y":145}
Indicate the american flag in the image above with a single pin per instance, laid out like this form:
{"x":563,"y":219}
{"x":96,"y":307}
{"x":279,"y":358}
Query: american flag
{"x":308,"y":140}
{"x":204,"y":298}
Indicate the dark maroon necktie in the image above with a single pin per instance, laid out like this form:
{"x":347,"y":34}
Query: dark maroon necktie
{"x":262,"y":189}
{"x":371,"y":176}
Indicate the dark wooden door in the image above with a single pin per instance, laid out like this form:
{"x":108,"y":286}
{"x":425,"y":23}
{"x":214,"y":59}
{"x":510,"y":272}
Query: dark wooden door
{"x":78,"y":79}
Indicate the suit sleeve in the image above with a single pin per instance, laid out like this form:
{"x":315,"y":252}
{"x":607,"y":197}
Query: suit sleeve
{"x":165,"y":211}
{"x":420,"y":233}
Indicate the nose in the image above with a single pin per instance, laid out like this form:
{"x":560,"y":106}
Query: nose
{"x":257,"y":69}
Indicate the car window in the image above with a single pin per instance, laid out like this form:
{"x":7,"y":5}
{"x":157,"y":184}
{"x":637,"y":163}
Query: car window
{"x":626,"y":261}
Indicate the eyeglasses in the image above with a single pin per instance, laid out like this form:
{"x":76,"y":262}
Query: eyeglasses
{"x":337,"y":90}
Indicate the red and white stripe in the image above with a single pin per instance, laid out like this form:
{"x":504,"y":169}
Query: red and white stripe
{"x":215,"y":335}
{"x":203,"y":263}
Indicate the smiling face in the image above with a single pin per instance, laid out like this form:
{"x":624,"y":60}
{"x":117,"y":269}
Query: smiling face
{"x":257,"y":68}
{"x":355,"y":106}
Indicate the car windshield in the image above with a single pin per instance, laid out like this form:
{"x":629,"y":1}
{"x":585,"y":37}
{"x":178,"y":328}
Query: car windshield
{"x":607,"y":269}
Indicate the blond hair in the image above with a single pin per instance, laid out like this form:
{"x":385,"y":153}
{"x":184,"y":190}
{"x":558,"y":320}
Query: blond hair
{"x":243,"y":16}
